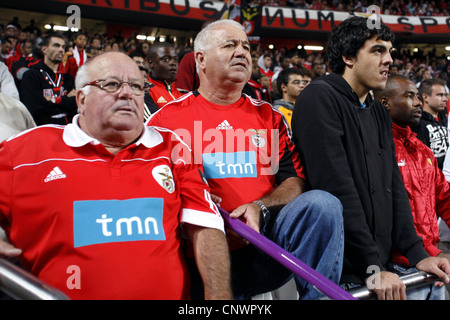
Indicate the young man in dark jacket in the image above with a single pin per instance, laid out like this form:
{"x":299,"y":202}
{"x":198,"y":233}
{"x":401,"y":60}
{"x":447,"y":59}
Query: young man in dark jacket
{"x":345,"y":141}
{"x":432,"y":128}
{"x":48,"y":94}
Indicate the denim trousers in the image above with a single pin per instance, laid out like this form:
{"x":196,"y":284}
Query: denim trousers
{"x":311,"y":228}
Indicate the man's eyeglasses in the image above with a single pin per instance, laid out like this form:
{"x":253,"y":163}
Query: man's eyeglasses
{"x":113,"y":85}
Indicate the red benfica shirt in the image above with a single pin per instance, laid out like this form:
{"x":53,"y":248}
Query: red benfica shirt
{"x":101,"y":226}
{"x":245,"y":148}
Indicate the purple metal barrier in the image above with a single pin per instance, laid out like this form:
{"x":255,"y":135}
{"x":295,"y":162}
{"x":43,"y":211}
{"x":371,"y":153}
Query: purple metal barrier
{"x":304,"y":271}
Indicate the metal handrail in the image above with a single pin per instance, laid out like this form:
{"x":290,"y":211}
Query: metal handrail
{"x":21,"y":285}
{"x":413,"y":280}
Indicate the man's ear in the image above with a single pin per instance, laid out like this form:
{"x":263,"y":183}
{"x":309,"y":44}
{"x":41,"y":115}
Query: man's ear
{"x":385,"y":102}
{"x":44,"y":50}
{"x":150,"y":62}
{"x":200,"y":59}
{"x":80,"y":99}
{"x":349,"y":61}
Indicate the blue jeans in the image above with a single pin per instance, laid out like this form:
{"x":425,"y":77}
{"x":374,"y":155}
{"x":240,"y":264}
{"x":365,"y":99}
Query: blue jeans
{"x":311,"y":228}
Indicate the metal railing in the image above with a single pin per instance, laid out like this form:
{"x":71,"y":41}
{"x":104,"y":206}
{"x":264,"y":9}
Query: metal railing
{"x":330,"y":289}
{"x":21,"y":285}
{"x":413,"y":280}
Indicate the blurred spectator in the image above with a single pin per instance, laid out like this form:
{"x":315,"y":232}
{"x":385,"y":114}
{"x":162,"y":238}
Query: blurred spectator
{"x":163,"y":63}
{"x":284,"y":64}
{"x":432,"y":129}
{"x":264,"y":81}
{"x":254,"y":88}
{"x":265,"y":64}
{"x":306,"y":78}
{"x":77,"y":56}
{"x":23,"y":64}
{"x":7,"y":84}
{"x":6,"y":51}
{"x":48,"y":94}
{"x":424,"y":74}
{"x":14,"y":117}
{"x":289,"y":83}
{"x":393,"y":69}
{"x":140,"y":60}
{"x":187,"y":77}
{"x":317,"y":69}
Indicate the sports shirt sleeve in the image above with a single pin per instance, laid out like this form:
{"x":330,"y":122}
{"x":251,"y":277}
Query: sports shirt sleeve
{"x":196,"y":204}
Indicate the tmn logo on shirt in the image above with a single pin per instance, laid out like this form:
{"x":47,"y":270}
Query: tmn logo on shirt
{"x":230,"y":165}
{"x":107,"y":221}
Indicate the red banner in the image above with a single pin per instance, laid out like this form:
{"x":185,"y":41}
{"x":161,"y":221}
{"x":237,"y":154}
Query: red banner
{"x":272,"y":17}
{"x":316,"y":20}
{"x":192,"y":9}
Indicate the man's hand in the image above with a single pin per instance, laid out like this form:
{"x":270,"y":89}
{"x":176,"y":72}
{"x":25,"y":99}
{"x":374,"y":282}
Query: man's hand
{"x":8,"y":250}
{"x":388,"y":286}
{"x":217,"y":200}
{"x":250,"y":213}
{"x":438,"y":266}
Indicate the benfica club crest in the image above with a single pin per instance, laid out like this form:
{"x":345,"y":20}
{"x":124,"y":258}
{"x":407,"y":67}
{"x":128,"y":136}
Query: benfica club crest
{"x":257,"y":139}
{"x":163,"y":175}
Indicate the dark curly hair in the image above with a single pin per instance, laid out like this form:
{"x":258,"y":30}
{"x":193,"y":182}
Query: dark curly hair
{"x":349,"y":36}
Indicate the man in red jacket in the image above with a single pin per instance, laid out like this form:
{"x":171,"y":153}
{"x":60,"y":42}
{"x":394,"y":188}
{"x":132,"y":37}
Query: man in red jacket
{"x":428,"y":191}
{"x":163,"y":62}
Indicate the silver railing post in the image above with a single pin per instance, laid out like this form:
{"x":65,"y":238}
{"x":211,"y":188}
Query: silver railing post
{"x":21,"y":285}
{"x":414,"y":280}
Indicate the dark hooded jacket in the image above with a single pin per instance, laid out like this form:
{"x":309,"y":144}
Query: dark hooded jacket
{"x":40,"y":81}
{"x":348,"y":150}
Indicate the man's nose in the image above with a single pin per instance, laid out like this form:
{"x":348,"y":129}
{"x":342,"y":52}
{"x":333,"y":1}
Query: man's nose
{"x":125,"y":91}
{"x":417,"y":102}
{"x":240,"y":50}
{"x":388,"y":59}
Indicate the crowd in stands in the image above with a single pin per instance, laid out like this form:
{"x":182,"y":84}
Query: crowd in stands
{"x":18,"y":44}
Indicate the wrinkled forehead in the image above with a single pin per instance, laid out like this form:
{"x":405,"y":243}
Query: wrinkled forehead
{"x":223,"y":33}
{"x":116,"y":66}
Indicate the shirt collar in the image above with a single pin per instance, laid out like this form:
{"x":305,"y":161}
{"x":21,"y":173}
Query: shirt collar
{"x":74,"y":136}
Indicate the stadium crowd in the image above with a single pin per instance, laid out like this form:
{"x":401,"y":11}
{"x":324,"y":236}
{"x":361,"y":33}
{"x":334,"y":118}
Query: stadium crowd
{"x":16,"y":43}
